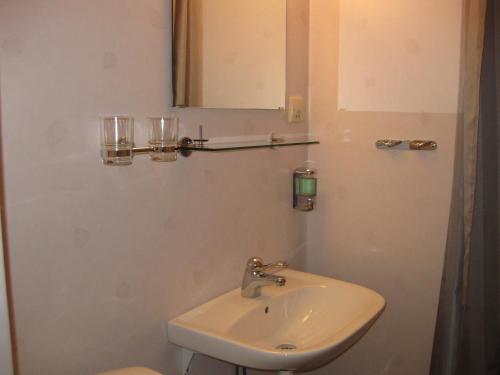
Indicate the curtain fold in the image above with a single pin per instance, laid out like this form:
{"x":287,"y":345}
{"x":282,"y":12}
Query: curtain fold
{"x":180,"y":61}
{"x":481,"y":337}
{"x":187,"y":52}
{"x":466,"y":336}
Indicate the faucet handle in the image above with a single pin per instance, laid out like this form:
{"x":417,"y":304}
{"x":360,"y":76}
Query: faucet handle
{"x":257,"y":264}
{"x":278,"y":265}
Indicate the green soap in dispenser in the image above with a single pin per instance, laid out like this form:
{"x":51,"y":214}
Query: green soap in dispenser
{"x":304,"y":189}
{"x":307,"y":186}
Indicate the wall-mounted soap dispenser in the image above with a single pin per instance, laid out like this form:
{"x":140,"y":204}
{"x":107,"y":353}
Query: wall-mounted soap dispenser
{"x":304,"y":189}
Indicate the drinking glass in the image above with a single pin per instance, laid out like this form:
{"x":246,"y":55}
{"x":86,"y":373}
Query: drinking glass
{"x":117,"y":140}
{"x":163,"y":134}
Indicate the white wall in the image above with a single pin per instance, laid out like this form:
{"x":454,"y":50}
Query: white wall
{"x":395,"y":47}
{"x":381,"y":218}
{"x":250,"y":77}
{"x":101,"y":257}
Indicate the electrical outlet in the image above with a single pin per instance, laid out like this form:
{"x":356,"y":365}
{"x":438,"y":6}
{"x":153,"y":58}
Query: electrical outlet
{"x":296,"y":109}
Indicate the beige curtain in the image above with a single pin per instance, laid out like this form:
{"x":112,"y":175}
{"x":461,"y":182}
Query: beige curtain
{"x":455,"y":281}
{"x":469,"y":115}
{"x":187,"y":52}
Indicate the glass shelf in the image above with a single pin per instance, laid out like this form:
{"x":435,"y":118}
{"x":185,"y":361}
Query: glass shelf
{"x":247,"y":145}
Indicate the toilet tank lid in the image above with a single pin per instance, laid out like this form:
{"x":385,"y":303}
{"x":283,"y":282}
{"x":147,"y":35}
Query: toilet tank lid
{"x":130,"y":371}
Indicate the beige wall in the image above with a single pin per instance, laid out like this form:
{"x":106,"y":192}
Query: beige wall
{"x":250,"y":77}
{"x":395,"y":47}
{"x":101,"y":257}
{"x":382,"y":216}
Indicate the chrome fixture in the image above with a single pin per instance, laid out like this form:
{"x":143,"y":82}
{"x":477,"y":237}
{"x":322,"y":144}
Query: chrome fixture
{"x":258,"y":274}
{"x":422,"y":145}
{"x":118,"y":147}
{"x":304,"y":189}
{"x":200,"y":140}
{"x":117,"y":140}
{"x":388,"y":143}
{"x":273,"y":138}
{"x":415,"y":144}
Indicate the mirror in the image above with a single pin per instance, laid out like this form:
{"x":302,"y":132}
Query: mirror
{"x":229,"y":53}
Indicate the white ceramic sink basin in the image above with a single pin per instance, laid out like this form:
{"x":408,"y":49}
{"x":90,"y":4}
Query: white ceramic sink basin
{"x":300,"y":326}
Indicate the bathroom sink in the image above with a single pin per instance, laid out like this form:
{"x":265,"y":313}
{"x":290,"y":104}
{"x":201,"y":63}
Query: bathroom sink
{"x":300,"y":326}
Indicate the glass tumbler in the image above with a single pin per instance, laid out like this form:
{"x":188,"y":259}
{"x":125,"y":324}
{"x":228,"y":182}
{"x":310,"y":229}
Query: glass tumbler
{"x":117,"y":140}
{"x":163,"y":134}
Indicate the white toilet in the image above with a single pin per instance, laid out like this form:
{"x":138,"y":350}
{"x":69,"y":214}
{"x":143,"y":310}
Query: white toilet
{"x":130,"y":371}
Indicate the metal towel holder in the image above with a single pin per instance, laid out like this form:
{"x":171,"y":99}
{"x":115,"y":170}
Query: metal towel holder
{"x":415,"y":144}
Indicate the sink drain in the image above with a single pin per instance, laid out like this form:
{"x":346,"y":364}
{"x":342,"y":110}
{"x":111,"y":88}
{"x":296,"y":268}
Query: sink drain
{"x":286,"y":347}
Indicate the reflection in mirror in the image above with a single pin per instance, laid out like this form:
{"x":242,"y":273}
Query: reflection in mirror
{"x":229,"y":53}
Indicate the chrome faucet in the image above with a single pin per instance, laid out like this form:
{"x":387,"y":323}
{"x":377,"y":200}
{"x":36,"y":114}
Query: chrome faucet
{"x":258,"y":274}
